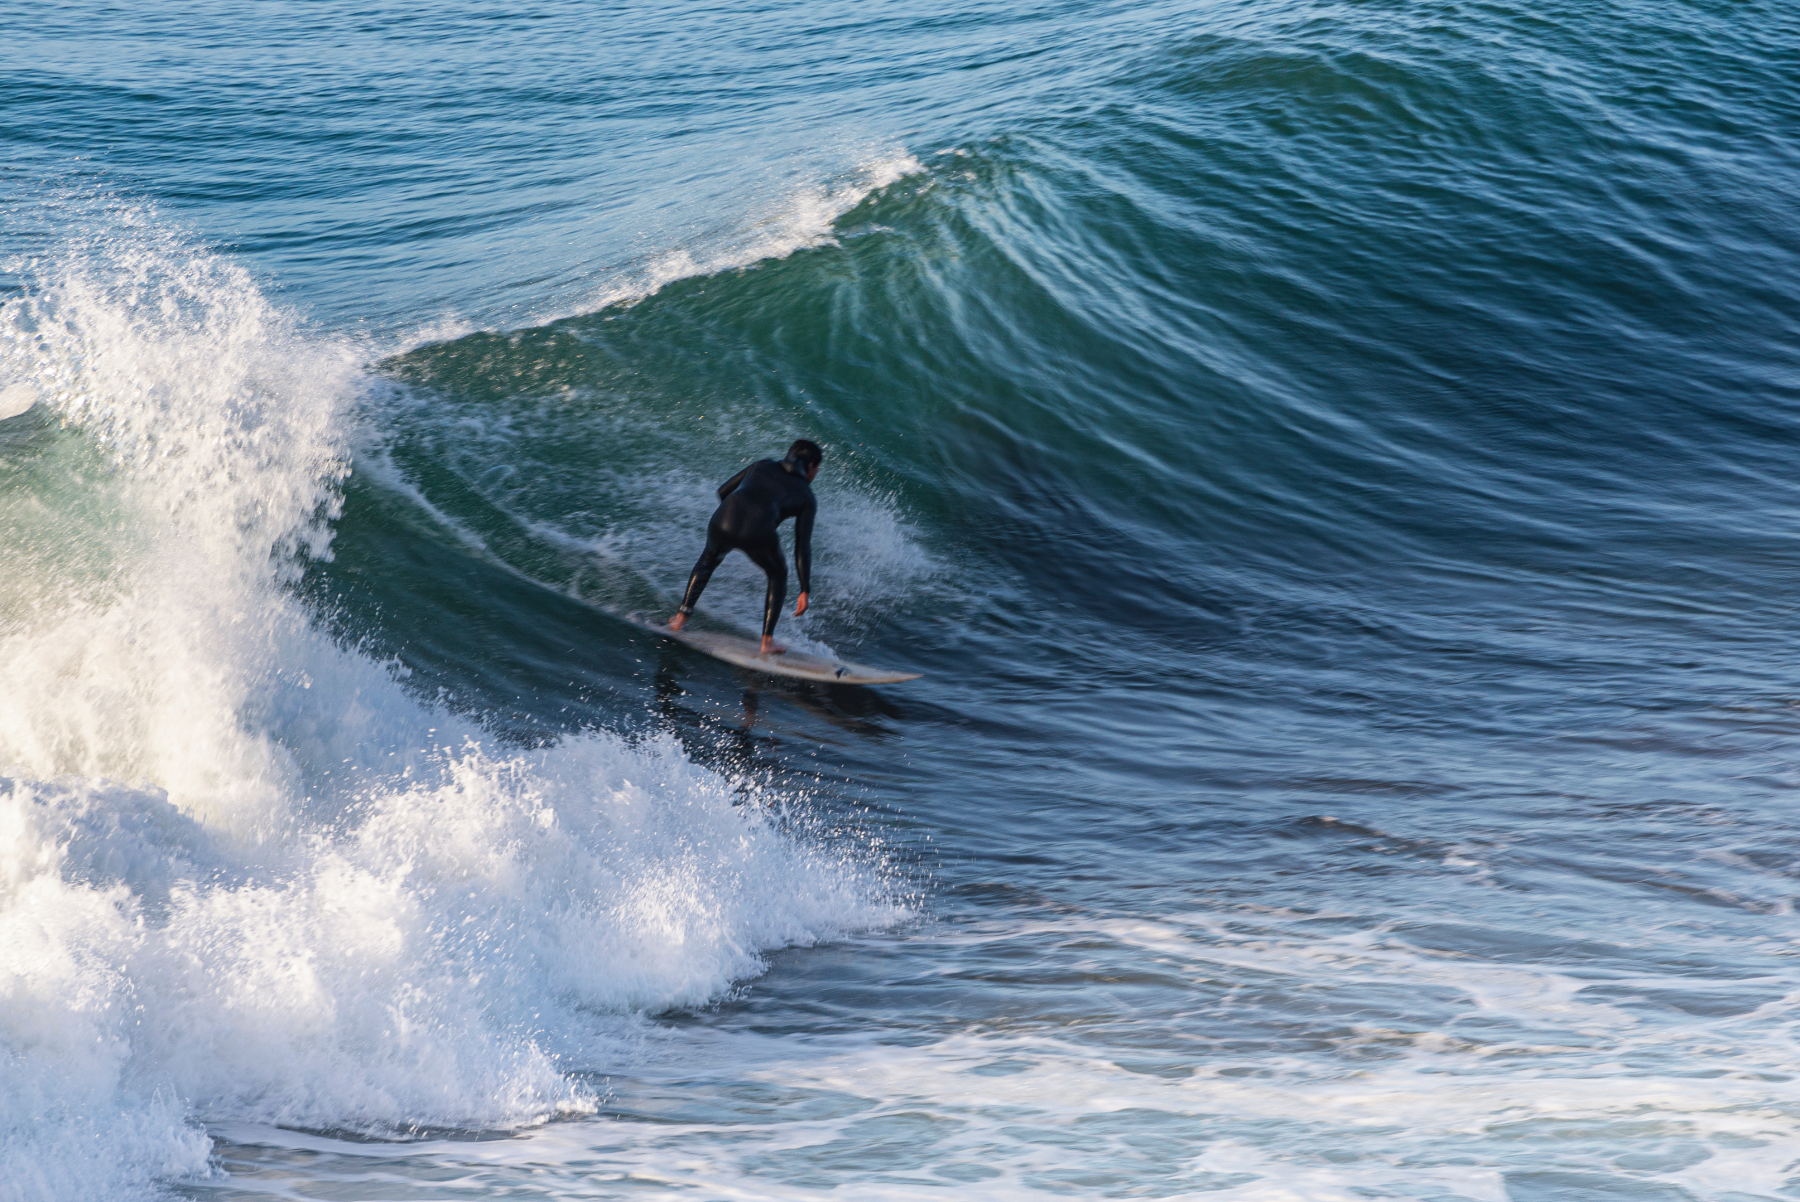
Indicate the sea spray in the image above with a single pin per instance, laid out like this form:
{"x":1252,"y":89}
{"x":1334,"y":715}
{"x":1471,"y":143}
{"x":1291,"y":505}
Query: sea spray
{"x":146,"y":623}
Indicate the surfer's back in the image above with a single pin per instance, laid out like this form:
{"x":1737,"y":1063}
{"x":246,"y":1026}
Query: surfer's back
{"x":761,"y":497}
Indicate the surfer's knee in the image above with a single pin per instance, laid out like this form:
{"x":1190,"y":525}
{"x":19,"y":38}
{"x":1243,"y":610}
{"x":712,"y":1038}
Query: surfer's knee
{"x":768,"y":557}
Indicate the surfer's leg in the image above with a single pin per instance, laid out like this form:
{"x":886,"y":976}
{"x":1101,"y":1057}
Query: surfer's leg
{"x":716,"y":547}
{"x":766,"y":554}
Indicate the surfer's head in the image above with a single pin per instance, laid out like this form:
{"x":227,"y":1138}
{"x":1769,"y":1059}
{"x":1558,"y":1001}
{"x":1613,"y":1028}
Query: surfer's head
{"x":804,"y":457}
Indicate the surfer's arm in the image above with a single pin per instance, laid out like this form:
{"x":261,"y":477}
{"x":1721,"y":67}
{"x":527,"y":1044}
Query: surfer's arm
{"x":803,"y":524}
{"x":730,"y":486}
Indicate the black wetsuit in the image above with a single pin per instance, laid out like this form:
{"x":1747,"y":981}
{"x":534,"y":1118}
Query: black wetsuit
{"x":751,"y":505}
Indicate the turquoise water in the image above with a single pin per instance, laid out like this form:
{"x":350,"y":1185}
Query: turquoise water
{"x":1332,"y":463}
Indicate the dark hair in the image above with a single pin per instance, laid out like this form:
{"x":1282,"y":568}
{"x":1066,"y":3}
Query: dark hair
{"x":806,"y":453}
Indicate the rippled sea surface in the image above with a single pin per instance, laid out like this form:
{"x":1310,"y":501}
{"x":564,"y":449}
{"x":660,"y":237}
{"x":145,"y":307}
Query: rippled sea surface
{"x":1336,"y":465}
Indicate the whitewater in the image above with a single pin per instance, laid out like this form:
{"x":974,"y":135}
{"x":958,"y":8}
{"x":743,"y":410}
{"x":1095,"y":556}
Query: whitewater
{"x":247,"y":874}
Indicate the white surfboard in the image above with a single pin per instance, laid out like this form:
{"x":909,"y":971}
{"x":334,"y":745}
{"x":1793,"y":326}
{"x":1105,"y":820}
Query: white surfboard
{"x":797,"y":664}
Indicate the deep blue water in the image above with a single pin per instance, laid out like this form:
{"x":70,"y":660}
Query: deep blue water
{"x":1333,"y":464}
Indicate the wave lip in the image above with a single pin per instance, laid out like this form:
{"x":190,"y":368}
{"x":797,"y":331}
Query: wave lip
{"x":799,"y":219}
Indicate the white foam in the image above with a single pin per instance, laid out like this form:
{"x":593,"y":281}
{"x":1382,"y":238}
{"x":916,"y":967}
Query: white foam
{"x":1028,"y":1103}
{"x":243,"y":874}
{"x":16,"y":399}
{"x":1008,"y":1113}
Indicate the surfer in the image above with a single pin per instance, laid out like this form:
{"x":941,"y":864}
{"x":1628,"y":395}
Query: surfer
{"x":752,"y":505}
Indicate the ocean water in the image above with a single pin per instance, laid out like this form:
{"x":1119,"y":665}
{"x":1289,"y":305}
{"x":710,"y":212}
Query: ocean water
{"x":1336,"y":464}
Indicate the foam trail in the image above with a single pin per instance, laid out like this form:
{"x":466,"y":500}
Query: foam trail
{"x":243,"y":874}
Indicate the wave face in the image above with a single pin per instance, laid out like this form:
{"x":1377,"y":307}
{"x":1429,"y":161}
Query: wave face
{"x":1332,"y":464}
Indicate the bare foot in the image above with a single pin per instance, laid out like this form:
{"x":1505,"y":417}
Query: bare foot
{"x":771,"y":647}
{"x":677,"y":622}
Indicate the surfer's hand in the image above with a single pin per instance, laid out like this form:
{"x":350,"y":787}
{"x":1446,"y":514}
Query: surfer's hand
{"x":800,"y":605}
{"x":678,"y":621}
